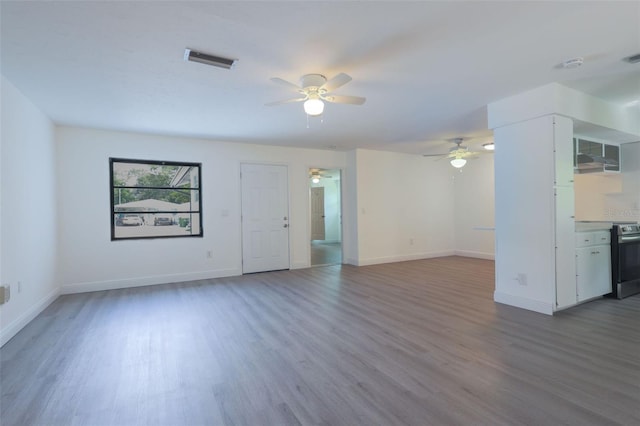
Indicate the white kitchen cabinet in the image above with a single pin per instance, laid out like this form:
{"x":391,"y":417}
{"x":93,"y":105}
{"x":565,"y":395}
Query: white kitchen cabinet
{"x":593,"y":264}
{"x":565,"y":247}
{"x":563,"y":155}
{"x":595,"y":157}
{"x":564,"y":221}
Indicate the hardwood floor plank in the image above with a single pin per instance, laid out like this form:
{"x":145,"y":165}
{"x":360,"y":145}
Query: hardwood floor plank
{"x":411,"y":343}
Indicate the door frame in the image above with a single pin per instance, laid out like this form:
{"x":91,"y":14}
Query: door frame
{"x":341,"y":169}
{"x":240,"y":223}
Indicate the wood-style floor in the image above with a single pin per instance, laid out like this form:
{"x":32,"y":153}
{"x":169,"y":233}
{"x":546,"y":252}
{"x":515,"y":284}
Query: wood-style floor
{"x":412,"y":343}
{"x":323,"y":253}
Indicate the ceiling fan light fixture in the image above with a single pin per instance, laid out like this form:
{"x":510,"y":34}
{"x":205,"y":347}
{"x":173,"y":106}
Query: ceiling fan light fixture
{"x":458,"y":162}
{"x":313,"y":106}
{"x":489,"y":146}
{"x":315,"y":90}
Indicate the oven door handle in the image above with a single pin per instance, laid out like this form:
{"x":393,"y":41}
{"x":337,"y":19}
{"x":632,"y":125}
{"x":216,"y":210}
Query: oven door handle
{"x":628,"y":239}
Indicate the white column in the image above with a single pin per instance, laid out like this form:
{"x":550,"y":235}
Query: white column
{"x":525,"y":212}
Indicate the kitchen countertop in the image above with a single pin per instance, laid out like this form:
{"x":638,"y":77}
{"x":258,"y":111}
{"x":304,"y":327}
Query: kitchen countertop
{"x":593,"y":226}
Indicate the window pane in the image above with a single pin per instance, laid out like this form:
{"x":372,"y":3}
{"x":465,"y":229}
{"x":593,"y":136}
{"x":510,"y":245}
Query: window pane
{"x":154,"y":175}
{"x":155,"y":199}
{"x":150,"y":225}
{"x":144,"y":199}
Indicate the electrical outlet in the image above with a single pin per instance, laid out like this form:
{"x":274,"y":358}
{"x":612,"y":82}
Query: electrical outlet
{"x":522,"y":279}
{"x":410,"y":241}
{"x":5,"y":294}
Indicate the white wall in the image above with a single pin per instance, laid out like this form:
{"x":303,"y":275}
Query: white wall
{"x":28,"y":219}
{"x":89,"y":260}
{"x":598,"y":196}
{"x":474,"y":208}
{"x":404,"y":207}
{"x":524,"y":214}
{"x":350,"y":250}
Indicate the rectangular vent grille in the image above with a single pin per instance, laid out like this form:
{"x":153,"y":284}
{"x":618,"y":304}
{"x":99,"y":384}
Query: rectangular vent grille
{"x":633,"y":59}
{"x":203,"y":58}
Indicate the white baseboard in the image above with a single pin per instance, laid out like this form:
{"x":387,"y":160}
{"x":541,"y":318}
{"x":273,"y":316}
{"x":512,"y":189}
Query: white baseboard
{"x":521,"y":302}
{"x":476,"y":254}
{"x":19,"y":323}
{"x":144,"y":281}
{"x":403,"y":258}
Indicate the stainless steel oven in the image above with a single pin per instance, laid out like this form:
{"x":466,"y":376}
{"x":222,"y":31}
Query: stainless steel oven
{"x":625,"y":260}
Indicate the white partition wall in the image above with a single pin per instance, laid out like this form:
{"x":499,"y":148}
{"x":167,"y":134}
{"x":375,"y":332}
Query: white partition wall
{"x":28,"y":197}
{"x":526,"y":211}
{"x":534,"y":207}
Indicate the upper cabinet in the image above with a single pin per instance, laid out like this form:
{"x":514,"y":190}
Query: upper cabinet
{"x":595,"y":157}
{"x":563,"y":152}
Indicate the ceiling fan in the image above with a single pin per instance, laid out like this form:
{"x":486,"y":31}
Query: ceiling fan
{"x":314,"y":89}
{"x":317,"y":174}
{"x":460,"y":153}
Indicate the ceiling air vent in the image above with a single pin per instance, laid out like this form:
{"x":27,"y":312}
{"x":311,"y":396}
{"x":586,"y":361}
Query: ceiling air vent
{"x":633,"y":59}
{"x":203,"y":58}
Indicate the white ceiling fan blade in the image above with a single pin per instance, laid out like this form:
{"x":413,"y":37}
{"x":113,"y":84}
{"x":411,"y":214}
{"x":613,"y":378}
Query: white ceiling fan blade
{"x":337,"y":81}
{"x":471,"y":155}
{"x":286,"y":101}
{"x":286,"y":84}
{"x":340,"y":99}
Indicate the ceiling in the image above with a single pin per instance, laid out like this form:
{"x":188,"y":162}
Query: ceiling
{"x":427,"y":69}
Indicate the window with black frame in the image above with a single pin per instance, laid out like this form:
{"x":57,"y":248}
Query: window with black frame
{"x":155,"y":199}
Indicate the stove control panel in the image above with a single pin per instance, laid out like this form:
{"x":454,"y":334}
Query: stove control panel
{"x":629,"y":229}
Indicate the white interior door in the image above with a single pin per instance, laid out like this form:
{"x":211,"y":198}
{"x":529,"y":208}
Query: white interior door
{"x":317,"y":214}
{"x":265,"y":218}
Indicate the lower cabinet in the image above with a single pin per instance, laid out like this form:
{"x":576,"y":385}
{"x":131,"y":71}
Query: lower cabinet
{"x":593,"y":264}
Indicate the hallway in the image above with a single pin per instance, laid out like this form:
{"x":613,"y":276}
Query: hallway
{"x":324,"y":253}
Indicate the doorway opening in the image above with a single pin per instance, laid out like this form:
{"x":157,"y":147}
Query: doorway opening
{"x":325,"y":216}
